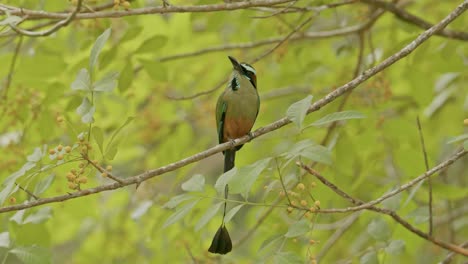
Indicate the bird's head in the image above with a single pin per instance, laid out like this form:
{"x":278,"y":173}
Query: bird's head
{"x":245,"y":70}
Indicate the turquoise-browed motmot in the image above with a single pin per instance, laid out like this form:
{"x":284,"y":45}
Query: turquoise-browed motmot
{"x":236,"y":111}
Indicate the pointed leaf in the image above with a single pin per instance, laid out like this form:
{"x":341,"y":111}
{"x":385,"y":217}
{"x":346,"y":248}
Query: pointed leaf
{"x":141,"y":209}
{"x":232,"y":213}
{"x":152,"y":44}
{"x":112,"y":151}
{"x":86,"y":111}
{"x":224,"y":179}
{"x":5,"y":240}
{"x":369,"y":258}
{"x":107,"y":83}
{"x":156,"y":70}
{"x":126,"y":77}
{"x":330,"y":118}
{"x":379,"y":229}
{"x":40,"y":216}
{"x":32,"y":254}
{"x":396,"y":247}
{"x":176,"y":200}
{"x":180,"y":213}
{"x":297,"y":111}
{"x":287,"y":258}
{"x":246,"y":176}
{"x":194,"y":184}
{"x":82,"y":81}
{"x":445,"y":80}
{"x":458,"y":139}
{"x":116,"y":132}
{"x":98,"y":45}
{"x":44,"y":184}
{"x":420,"y":215}
{"x":11,"y":20}
{"x":36,"y":155}
{"x":209,"y":214}
{"x":98,"y":135}
{"x":298,"y":228}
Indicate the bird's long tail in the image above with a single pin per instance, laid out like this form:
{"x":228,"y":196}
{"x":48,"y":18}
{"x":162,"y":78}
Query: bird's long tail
{"x":222,"y":243}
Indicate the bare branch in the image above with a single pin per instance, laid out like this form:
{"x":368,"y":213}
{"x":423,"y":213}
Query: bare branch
{"x":405,"y":16}
{"x":429,"y":181}
{"x":398,"y":190}
{"x":266,"y":129}
{"x":51,"y":30}
{"x":395,"y":216}
{"x":36,"y":14}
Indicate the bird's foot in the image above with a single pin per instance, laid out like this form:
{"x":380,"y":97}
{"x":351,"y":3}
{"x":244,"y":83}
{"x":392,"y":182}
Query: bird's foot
{"x":251,"y":135}
{"x":233,"y":142}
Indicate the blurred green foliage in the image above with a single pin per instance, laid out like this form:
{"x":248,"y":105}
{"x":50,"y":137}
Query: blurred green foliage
{"x":126,"y":88}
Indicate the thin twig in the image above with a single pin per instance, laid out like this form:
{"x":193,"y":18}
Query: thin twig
{"x":28,"y":192}
{"x":450,"y":255}
{"x":51,"y":30}
{"x":391,"y":213}
{"x":410,"y":18}
{"x":429,"y":181}
{"x":10,"y":76}
{"x":102,"y":170}
{"x":337,"y":235}
{"x":282,"y":182}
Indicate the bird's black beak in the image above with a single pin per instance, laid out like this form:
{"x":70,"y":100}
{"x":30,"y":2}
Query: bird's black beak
{"x":235,"y":63}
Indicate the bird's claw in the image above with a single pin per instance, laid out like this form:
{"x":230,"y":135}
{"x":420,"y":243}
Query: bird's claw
{"x":251,"y":135}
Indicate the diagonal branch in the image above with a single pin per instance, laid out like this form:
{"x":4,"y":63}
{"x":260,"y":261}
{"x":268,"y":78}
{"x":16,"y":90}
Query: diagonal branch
{"x":137,"y":179}
{"x":51,"y":30}
{"x":395,"y":216}
{"x":410,"y":18}
{"x":36,"y":14}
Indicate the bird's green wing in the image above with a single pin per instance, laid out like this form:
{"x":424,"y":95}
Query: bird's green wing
{"x":221,"y":107}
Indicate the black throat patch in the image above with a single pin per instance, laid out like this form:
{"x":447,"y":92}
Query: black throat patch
{"x":235,"y":84}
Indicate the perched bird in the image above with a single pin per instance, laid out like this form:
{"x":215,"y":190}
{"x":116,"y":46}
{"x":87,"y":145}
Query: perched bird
{"x":236,"y":111}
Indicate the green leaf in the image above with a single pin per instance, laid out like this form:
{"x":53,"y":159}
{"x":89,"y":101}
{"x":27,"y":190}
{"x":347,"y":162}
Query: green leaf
{"x":112,"y":151}
{"x":271,"y":244}
{"x":246,"y":176}
{"x":98,"y":45}
{"x":379,"y":229}
{"x":10,"y":20}
{"x":209,"y":214}
{"x":44,"y":184}
{"x":8,"y":187}
{"x":36,"y":155}
{"x":98,"y":135}
{"x":180,"y":213}
{"x":116,"y":132}
{"x":420,"y":215}
{"x":152,"y":44}
{"x":337,"y":116}
{"x":5,"y":240}
{"x":396,"y":247}
{"x":287,"y":258}
{"x":108,"y":57}
{"x":317,"y":153}
{"x":297,"y":111}
{"x":40,"y":216}
{"x":224,"y":179}
{"x":445,"y":80}
{"x":86,"y":111}
{"x":369,"y":258}
{"x":458,"y":139}
{"x":298,"y":228}
{"x":82,"y":81}
{"x":156,"y":70}
{"x":18,"y":217}
{"x":232,"y":213}
{"x":32,"y":254}
{"x":131,"y":33}
{"x":194,"y":184}
{"x":126,"y":77}
{"x":176,"y":200}
{"x":107,"y":83}
{"x":141,"y":209}
{"x":392,"y":203}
